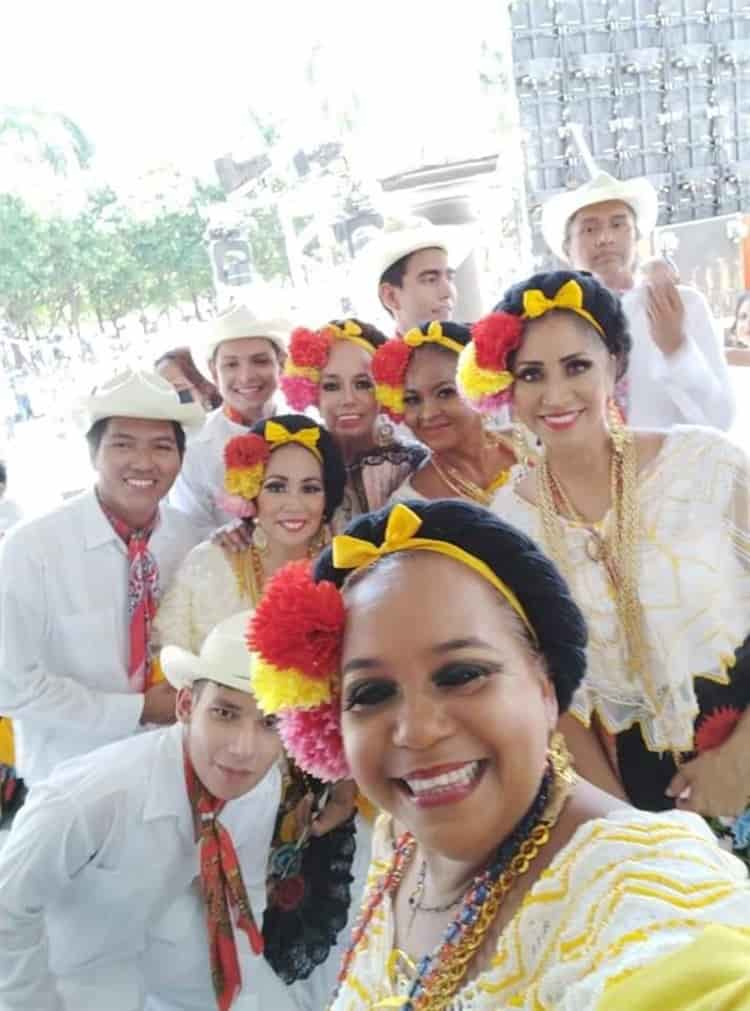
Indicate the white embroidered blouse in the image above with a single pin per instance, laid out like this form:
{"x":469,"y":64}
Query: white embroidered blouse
{"x":203,"y":593}
{"x":626,"y":890}
{"x":693,"y":584}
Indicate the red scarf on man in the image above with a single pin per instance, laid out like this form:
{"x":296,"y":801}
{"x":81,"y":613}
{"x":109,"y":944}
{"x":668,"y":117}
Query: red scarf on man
{"x":223,"y":892}
{"x":143,"y":594}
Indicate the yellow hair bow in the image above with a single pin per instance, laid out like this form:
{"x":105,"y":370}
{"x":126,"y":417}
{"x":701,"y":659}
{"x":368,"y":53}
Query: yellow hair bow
{"x":569,"y":296}
{"x":415,"y":338}
{"x":277,"y":435}
{"x":351,"y":331}
{"x":403,"y":524}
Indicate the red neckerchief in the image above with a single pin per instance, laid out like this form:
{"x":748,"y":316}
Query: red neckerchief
{"x":223,"y":892}
{"x":234,"y":415}
{"x":143,"y":594}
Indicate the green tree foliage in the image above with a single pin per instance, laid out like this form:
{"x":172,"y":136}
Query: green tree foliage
{"x":105,"y":262}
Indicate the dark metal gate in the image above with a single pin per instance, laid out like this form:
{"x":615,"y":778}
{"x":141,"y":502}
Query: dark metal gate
{"x":660,"y":87}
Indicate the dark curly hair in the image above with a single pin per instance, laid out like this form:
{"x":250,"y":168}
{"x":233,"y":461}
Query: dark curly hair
{"x":516,"y":560}
{"x":334,"y":472}
{"x":599,"y":301}
{"x":370,"y":333}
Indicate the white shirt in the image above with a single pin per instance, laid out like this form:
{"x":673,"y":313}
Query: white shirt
{"x":201,"y":478}
{"x":10,"y":514}
{"x":96,"y":861}
{"x":693,"y":385}
{"x":64,"y":630}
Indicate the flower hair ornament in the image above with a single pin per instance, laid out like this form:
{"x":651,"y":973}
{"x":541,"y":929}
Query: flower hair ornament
{"x":483,"y":374}
{"x":308,"y":354}
{"x":392,"y":360}
{"x":245,"y":461}
{"x":296,"y":633}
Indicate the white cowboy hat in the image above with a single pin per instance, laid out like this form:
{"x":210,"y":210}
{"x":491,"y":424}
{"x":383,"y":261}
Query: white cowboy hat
{"x":639,"y":194}
{"x":134,"y":393}
{"x":224,"y":658}
{"x":403,"y":237}
{"x":236,"y":323}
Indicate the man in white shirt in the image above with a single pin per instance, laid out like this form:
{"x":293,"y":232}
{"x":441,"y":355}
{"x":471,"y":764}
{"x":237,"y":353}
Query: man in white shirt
{"x":412,"y":265}
{"x":244,"y":356}
{"x":79,"y":585}
{"x":136,"y":873}
{"x":677,"y":373}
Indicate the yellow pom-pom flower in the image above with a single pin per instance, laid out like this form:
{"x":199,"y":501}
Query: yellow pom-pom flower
{"x":476,"y":382}
{"x":244,"y":481}
{"x":304,"y":371}
{"x":276,"y":688}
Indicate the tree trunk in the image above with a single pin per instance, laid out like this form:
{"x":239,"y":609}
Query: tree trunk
{"x":196,"y":306}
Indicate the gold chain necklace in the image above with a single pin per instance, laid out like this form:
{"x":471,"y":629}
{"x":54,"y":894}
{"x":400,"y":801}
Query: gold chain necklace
{"x":464,"y":487}
{"x":248,"y":571}
{"x":446,"y":980}
{"x":616,"y":549}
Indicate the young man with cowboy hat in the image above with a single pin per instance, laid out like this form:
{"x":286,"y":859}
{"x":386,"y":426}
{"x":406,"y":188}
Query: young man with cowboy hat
{"x":412,"y":265}
{"x":677,"y":372}
{"x":243,"y":355}
{"x":79,"y":585}
{"x":135,"y":876}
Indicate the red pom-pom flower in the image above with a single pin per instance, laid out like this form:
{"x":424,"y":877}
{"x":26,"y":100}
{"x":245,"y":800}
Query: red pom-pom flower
{"x":299,"y":623}
{"x":495,"y":336}
{"x":309,"y":348}
{"x":716,"y":727}
{"x":390,"y":362}
{"x":246,"y":451}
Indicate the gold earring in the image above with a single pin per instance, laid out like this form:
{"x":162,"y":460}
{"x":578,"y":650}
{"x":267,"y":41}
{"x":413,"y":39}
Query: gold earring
{"x":616,"y":425}
{"x":385,"y":433}
{"x":559,"y":757}
{"x":260,"y":538}
{"x":520,"y":446}
{"x":321,"y":540}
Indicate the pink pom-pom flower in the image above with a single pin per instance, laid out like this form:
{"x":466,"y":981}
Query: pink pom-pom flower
{"x":300,"y":392}
{"x":313,"y":739}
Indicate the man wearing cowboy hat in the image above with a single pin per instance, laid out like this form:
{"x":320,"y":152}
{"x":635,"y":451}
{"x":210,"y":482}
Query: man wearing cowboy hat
{"x":79,"y":585}
{"x":412,"y":264}
{"x":137,"y":873}
{"x":677,"y":372}
{"x":243,"y":355}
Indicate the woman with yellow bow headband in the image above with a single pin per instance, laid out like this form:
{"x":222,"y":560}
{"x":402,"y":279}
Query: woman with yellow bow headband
{"x":284,"y":479}
{"x":430,"y":651}
{"x":415,"y":382}
{"x":652,"y":529}
{"x":331,"y":369}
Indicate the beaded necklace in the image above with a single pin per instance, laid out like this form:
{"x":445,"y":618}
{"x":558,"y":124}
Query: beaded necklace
{"x":440,"y":973}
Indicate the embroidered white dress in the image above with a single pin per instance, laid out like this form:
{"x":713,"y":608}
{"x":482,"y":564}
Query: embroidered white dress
{"x":203,"y":593}
{"x":626,"y":890}
{"x":693,"y":584}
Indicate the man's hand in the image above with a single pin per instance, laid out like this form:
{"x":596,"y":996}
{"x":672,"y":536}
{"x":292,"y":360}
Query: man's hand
{"x":716,"y":783}
{"x":159,"y":704}
{"x":666,"y":314}
{"x":233,"y":537}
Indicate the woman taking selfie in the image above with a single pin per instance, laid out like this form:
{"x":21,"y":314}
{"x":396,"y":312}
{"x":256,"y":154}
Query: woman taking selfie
{"x":512,"y":883}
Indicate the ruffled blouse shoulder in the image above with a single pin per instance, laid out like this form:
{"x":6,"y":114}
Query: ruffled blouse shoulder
{"x":203,"y":593}
{"x":626,"y":890}
{"x":694,"y":586}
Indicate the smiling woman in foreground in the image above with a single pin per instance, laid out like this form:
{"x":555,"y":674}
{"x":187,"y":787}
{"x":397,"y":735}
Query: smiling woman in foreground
{"x":514,"y":884}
